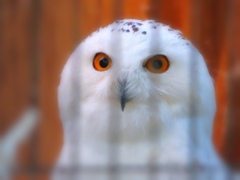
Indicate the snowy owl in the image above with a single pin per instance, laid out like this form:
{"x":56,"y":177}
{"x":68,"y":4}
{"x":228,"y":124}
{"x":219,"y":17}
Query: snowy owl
{"x":137,"y":102}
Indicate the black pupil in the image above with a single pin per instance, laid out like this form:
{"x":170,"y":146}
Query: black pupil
{"x":103,"y":62}
{"x":157,"y":64}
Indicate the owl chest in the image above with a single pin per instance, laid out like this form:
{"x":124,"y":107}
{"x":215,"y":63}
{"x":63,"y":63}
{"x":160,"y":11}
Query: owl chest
{"x":131,"y":146}
{"x":138,"y":153}
{"x":134,"y":137}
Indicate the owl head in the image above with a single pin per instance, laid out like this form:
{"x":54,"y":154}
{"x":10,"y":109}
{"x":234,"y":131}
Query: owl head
{"x":138,"y":70}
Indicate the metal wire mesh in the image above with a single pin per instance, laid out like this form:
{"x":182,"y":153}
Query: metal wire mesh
{"x":113,"y":169}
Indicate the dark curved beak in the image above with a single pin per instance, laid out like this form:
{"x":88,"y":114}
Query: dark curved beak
{"x":124,"y":98}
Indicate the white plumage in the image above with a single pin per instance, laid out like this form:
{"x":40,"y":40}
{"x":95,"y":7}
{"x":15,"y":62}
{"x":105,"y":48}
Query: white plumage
{"x":10,"y":142}
{"x":167,"y":119}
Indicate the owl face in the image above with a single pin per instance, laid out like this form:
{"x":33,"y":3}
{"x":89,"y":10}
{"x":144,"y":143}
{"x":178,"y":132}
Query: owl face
{"x":132,"y":64}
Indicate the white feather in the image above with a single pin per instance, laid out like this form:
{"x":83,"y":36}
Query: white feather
{"x":9,"y":144}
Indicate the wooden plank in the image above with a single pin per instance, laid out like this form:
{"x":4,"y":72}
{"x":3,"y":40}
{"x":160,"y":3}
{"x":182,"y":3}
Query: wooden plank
{"x":208,"y":24}
{"x":232,"y":143}
{"x":221,"y":85}
{"x":95,"y":14}
{"x":135,"y":9}
{"x":14,"y":66}
{"x":217,"y":51}
{"x":207,"y":31}
{"x":6,"y":91}
{"x":56,"y":45}
{"x":14,"y":84}
{"x":92,"y":15}
{"x":173,"y":13}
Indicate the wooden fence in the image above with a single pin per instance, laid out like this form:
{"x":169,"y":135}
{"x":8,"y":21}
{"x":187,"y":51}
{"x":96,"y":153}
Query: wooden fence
{"x":37,"y":36}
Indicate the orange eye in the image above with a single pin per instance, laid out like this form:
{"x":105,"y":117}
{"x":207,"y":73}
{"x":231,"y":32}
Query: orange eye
{"x":102,"y":62}
{"x":157,"y":64}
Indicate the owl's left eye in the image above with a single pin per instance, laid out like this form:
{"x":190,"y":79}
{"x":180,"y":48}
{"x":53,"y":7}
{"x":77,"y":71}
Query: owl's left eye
{"x":102,"y":62}
{"x":157,"y":64}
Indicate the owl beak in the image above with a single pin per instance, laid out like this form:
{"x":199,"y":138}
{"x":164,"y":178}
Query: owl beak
{"x":123,"y":93}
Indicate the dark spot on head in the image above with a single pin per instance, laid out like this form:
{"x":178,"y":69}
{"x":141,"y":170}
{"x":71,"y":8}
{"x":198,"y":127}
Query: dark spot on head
{"x":139,"y":24}
{"x":144,"y":32}
{"x":135,"y":29}
{"x":127,"y":30}
{"x":133,"y":26}
{"x":154,"y":27}
{"x":129,"y":23}
{"x":118,"y":21}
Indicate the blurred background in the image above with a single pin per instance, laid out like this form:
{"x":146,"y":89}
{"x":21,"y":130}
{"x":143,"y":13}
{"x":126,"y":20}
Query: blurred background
{"x":37,"y":37}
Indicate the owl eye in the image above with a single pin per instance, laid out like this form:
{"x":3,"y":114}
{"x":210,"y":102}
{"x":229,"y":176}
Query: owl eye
{"x":157,"y":64}
{"x":102,"y":62}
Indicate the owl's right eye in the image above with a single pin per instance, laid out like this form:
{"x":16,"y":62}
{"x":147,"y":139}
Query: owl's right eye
{"x":157,"y":64}
{"x":102,"y":62}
